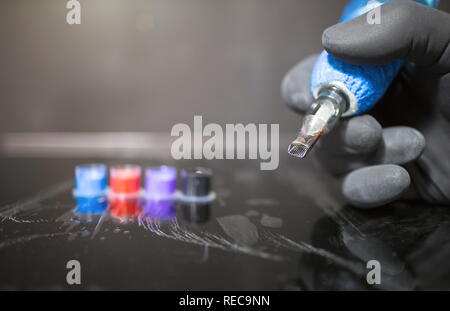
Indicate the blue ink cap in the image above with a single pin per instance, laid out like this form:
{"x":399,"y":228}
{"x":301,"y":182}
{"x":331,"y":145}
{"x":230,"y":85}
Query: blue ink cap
{"x":90,"y":180}
{"x":91,"y":205}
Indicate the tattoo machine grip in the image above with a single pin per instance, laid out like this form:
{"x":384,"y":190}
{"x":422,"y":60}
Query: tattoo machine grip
{"x":363,"y":85}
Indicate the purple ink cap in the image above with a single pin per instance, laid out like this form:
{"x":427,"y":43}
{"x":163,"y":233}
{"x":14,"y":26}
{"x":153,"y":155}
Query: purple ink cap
{"x":160,"y":182}
{"x":163,"y":209}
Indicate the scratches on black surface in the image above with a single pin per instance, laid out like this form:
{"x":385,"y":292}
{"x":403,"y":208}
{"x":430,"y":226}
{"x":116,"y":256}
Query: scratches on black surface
{"x":22,"y":220}
{"x":304,"y":247}
{"x":202,"y":238}
{"x":99,"y":225}
{"x":31,"y":237}
{"x":33,"y":202}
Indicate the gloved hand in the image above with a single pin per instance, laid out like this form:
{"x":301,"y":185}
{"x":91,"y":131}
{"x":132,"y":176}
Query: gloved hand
{"x":416,"y":108}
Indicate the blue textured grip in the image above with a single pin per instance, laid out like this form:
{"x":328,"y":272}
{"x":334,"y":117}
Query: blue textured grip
{"x":367,"y":83}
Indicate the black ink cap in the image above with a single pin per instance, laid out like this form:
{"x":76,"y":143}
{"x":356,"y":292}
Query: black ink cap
{"x":196,"y":182}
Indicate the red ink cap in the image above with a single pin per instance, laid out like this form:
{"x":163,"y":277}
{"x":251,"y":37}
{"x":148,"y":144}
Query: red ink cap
{"x":125,"y":179}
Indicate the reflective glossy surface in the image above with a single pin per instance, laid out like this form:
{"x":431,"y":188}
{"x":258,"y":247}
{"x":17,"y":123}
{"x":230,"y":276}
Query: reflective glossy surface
{"x":284,"y":229}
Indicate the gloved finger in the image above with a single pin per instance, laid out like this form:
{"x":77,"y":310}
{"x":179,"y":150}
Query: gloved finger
{"x":295,"y":87}
{"x":357,"y":135}
{"x":398,"y":145}
{"x":375,"y":185}
{"x":407,"y":30}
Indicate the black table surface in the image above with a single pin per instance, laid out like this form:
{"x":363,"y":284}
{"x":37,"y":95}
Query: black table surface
{"x":286,"y":229}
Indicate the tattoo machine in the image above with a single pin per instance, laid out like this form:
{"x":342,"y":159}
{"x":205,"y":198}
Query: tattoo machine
{"x":341,"y":89}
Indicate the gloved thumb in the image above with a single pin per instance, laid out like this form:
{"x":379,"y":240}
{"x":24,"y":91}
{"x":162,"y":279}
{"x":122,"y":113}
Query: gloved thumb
{"x":407,"y":30}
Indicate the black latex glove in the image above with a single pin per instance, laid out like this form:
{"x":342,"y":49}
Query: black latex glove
{"x":416,"y":108}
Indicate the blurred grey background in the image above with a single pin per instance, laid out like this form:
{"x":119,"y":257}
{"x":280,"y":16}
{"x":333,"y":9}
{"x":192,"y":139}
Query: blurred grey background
{"x":144,"y":65}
